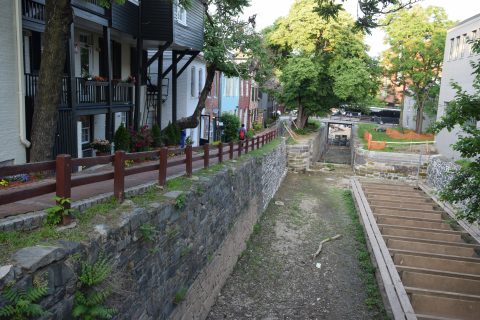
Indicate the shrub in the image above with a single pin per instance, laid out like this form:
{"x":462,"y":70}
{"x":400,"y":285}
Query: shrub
{"x":172,"y":134}
{"x":157,"y":136}
{"x":21,"y":303}
{"x":122,"y":139}
{"x":231,"y":125}
{"x":250,"y":133}
{"x":257,"y":125}
{"x":141,"y":140}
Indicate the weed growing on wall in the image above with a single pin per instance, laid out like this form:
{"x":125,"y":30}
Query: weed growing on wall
{"x":21,"y":303}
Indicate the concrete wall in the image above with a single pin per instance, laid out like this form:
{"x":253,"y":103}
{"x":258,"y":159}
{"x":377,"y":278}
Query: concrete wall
{"x":456,"y":68}
{"x":194,"y":247}
{"x":12,"y":150}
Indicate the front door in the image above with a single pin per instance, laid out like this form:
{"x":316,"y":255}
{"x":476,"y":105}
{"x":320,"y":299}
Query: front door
{"x":86,"y":135}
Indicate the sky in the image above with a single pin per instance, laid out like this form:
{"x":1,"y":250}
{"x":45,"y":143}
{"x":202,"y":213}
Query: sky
{"x":269,"y":10}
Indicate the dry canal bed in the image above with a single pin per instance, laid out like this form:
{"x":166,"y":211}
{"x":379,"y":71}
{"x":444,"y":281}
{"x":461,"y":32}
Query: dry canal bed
{"x":277,"y":278}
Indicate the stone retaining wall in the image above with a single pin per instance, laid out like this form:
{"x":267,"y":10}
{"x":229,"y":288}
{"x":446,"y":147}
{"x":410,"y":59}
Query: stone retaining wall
{"x":195,"y":246}
{"x":440,"y":171}
{"x":303,"y":154}
{"x":389,"y":165}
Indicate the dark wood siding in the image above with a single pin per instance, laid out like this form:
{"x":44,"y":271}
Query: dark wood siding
{"x":157,"y":20}
{"x":191,"y":35}
{"x":125,"y":17}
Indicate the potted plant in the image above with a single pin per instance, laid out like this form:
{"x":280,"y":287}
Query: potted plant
{"x":102,"y":147}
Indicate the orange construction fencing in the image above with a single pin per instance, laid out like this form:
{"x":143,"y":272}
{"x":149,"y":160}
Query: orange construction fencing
{"x":408,"y":135}
{"x":373,"y":145}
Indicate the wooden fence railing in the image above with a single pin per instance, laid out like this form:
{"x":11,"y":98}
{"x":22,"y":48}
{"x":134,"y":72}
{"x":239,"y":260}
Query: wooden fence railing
{"x":64,"y":165}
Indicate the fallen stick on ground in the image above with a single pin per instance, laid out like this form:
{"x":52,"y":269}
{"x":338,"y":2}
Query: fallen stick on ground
{"x":323,"y":242}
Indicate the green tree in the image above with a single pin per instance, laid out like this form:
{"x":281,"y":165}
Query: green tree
{"x":417,"y":42}
{"x":321,"y":64}
{"x":231,"y":125}
{"x":463,"y":112}
{"x":370,"y":10}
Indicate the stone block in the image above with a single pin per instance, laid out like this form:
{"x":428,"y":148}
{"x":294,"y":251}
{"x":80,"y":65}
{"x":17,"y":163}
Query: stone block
{"x":33,"y":258}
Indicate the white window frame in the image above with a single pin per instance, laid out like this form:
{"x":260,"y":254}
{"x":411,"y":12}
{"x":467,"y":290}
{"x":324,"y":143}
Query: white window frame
{"x":452,"y":49}
{"x":200,"y":81}
{"x":472,"y":38}
{"x":180,"y":14}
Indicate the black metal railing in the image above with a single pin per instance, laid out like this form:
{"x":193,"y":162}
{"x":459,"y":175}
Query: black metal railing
{"x":31,"y":83}
{"x":89,"y":92}
{"x":123,"y":93}
{"x":34,"y":9}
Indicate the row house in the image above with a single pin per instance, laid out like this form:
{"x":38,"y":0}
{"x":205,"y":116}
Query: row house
{"x":248,"y":103}
{"x":104,"y":83}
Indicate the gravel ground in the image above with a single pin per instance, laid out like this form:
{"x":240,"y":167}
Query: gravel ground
{"x":277,"y":278}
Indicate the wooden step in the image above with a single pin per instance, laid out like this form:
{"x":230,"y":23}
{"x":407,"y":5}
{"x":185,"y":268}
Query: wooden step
{"x":440,"y":283}
{"x":467,"y":276}
{"x":406,"y":217}
{"x":441,"y":231}
{"x":378,"y":207}
{"x":408,"y":213}
{"x":412,"y":223}
{"x":440,"y":236}
{"x":400,"y":194}
{"x":430,"y":317}
{"x":394,"y":198}
{"x":440,"y":263}
{"x":450,"y":250}
{"x":391,"y":187}
{"x":402,"y":204}
{"x":475,"y":247}
{"x":448,"y":307}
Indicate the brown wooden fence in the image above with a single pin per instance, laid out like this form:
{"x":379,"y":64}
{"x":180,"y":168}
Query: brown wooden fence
{"x":64,"y":165}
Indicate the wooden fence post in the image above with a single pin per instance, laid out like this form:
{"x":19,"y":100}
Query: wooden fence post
{"x":240,"y":144}
{"x":263,"y":139}
{"x":231,"y":150}
{"x":220,"y":152}
{"x":162,"y":170}
{"x":119,"y":176}
{"x":206,"y":155}
{"x":64,"y":176}
{"x":258,"y":142}
{"x":188,"y":157}
{"x":246,"y":145}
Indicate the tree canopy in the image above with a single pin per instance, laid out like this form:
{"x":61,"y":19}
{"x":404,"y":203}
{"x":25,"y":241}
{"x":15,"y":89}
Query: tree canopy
{"x":417,"y":41}
{"x":321,"y":64}
{"x":463,"y":111}
{"x":370,"y":11}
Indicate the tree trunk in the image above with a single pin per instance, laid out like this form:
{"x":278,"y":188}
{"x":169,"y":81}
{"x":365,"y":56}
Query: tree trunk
{"x":58,"y":20}
{"x":419,"y":121}
{"x":193,"y":120}
{"x":302,"y":118}
{"x":402,"y":106}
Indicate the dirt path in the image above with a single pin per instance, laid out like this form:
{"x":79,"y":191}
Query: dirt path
{"x":276,"y":278}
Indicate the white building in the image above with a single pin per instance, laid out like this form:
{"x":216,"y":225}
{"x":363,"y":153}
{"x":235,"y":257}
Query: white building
{"x":189,"y":85}
{"x":409,"y":119}
{"x":456,"y":68}
{"x":12,"y":106}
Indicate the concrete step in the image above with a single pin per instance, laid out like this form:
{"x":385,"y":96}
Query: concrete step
{"x":440,"y":263}
{"x":475,"y":247}
{"x":440,"y":283}
{"x":451,"y":250}
{"x":428,"y":303}
{"x":392,"y":231}
{"x":402,"y":204}
{"x":412,"y":223}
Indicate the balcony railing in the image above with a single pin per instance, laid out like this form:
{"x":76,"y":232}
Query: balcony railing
{"x":34,"y":10}
{"x":88,"y":92}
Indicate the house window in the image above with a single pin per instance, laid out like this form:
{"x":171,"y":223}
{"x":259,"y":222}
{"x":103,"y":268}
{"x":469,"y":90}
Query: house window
{"x":228,"y":87}
{"x":473,"y":37}
{"x":181,"y":14}
{"x":215,"y":79}
{"x":241,"y":88}
{"x":457,"y":48}
{"x":86,"y":130}
{"x":192,"y":82}
{"x":463,"y":43}
{"x":200,"y":81}
{"x":452,"y":49}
